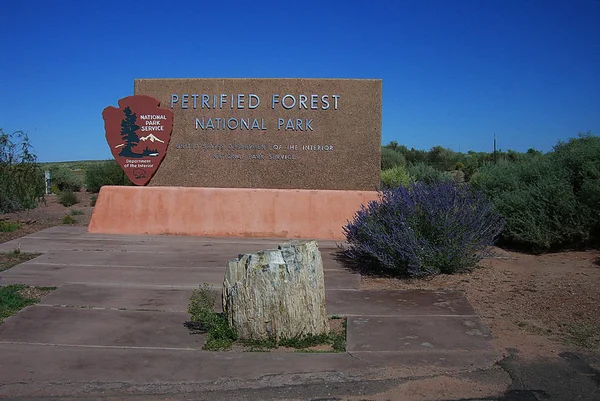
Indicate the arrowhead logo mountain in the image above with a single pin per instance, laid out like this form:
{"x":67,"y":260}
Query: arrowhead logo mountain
{"x":138,"y":133}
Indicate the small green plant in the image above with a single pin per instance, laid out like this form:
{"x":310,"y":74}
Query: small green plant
{"x":67,"y":198}
{"x":68,"y":219}
{"x":9,"y":226}
{"x":204,"y":319}
{"x":15,"y":297}
{"x":584,"y":335}
{"x":76,"y":212}
{"x":93,"y":200}
{"x":11,"y":300}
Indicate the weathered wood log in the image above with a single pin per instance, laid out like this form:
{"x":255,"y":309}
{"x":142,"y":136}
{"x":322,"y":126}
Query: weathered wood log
{"x":277,"y":293}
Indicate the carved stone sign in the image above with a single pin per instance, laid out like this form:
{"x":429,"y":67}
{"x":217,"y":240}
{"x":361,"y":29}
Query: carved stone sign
{"x":270,"y":133}
{"x":138,"y":133}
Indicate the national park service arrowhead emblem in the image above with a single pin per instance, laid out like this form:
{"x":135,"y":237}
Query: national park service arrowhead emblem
{"x":138,"y":133}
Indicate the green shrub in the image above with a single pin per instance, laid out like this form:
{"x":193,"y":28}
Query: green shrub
{"x":580,"y":158}
{"x":105,"y":173}
{"x":549,"y":201}
{"x":67,"y":198}
{"x":395,"y":176}
{"x":68,"y":219}
{"x":391,"y":158}
{"x":21,"y":179}
{"x":201,"y":309}
{"x":93,"y":200}
{"x":9,"y":226}
{"x":76,"y":212}
{"x":65,"y":179}
{"x":421,"y":172}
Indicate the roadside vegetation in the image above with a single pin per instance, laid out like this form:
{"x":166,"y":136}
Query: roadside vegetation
{"x":21,"y":179}
{"x":549,"y":202}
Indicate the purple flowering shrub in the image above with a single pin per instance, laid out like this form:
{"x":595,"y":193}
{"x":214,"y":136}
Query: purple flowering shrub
{"x":424,"y":229}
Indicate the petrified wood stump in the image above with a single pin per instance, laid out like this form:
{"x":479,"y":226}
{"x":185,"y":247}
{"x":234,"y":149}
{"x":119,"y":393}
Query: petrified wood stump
{"x":277,"y":293}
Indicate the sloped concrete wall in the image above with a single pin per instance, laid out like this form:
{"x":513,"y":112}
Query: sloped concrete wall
{"x":226,"y":212}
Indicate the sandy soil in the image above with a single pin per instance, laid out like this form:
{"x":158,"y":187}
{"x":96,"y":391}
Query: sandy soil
{"x":48,"y":214}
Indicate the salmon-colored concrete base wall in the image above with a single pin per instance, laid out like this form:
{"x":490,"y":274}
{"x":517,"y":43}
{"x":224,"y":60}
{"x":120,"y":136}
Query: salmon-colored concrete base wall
{"x":226,"y":212}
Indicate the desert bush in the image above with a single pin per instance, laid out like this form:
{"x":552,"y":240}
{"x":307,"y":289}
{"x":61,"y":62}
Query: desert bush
{"x":9,"y":226}
{"x":65,"y":179}
{"x":580,"y":158}
{"x":21,"y":180}
{"x":424,"y":229}
{"x":67,"y":198}
{"x":93,"y":200}
{"x":395,"y":176}
{"x":391,"y":158}
{"x":549,"y":201}
{"x":68,"y":219}
{"x":421,"y":172}
{"x":105,"y":173}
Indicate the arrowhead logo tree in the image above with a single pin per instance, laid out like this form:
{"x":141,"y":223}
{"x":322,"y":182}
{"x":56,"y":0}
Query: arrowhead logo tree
{"x":129,"y":128}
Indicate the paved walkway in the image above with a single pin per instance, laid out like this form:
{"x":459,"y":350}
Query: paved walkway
{"x":115,"y":324}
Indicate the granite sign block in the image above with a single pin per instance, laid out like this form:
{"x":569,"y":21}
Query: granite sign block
{"x":270,"y":133}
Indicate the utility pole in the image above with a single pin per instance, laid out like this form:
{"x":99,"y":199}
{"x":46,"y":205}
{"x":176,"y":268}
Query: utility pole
{"x":495,"y":155}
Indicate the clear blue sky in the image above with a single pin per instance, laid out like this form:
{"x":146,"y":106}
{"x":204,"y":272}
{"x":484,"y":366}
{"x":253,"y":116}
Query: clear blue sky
{"x":454,"y":72}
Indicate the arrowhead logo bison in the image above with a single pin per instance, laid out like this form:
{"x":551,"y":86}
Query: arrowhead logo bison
{"x":138,"y":133}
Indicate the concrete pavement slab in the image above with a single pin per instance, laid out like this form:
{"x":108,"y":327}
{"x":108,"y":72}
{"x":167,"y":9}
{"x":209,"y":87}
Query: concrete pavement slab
{"x":81,"y":295}
{"x":42,"y":274}
{"x":443,"y":359}
{"x":77,"y":238}
{"x":63,"y":370}
{"x":208,"y":257}
{"x":134,"y":259}
{"x":397,"y":303}
{"x":340,"y":279}
{"x":56,"y":275}
{"x":100,"y":327}
{"x":420,"y":333}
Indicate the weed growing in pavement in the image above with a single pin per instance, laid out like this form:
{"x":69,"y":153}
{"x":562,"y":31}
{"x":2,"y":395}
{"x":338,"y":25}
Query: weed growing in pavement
{"x":204,"y":319}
